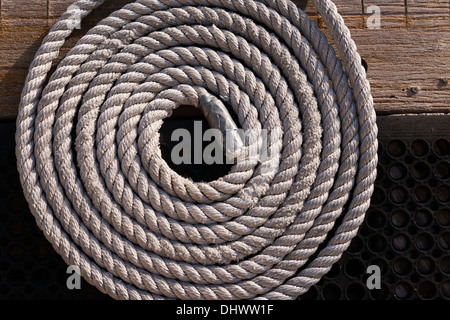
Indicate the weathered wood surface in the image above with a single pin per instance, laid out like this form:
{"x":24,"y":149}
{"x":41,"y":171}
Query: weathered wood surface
{"x":410,"y":50}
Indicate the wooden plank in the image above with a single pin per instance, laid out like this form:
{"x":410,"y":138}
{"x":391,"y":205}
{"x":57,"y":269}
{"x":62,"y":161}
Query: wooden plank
{"x":406,"y":59}
{"x":388,"y":7}
{"x":410,"y":50}
{"x":25,"y":12}
{"x":411,"y":13}
{"x":350,"y":10}
{"x":428,"y":13}
{"x":57,"y":7}
{"x":345,"y":7}
{"x":348,"y":7}
{"x":392,"y":12}
{"x":35,"y":9}
{"x":17,"y":46}
{"x":428,"y":7}
{"x":22,"y":29}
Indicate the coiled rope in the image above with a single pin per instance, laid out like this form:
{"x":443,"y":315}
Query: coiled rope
{"x":91,"y":168}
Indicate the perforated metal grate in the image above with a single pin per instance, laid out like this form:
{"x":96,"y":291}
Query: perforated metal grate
{"x":407,"y":228}
{"x":406,"y":231}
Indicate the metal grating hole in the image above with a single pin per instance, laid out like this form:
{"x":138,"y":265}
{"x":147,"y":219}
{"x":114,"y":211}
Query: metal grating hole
{"x":406,"y":232}
{"x":441,"y":147}
{"x":396,"y":148}
{"x":427,"y":290}
{"x":331,"y":291}
{"x":419,"y":148}
{"x":402,"y":266}
{"x":403,"y":290}
{"x":425,"y":266}
{"x":445,"y":290}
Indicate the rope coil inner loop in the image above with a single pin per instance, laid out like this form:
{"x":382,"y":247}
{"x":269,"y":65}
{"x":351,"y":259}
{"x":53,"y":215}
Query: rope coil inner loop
{"x":92,"y":171}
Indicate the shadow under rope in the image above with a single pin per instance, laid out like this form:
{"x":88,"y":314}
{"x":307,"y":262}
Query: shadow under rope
{"x":301,"y":3}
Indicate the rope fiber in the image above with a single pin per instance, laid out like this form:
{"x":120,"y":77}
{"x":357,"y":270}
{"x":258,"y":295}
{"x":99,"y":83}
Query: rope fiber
{"x":90,"y":164}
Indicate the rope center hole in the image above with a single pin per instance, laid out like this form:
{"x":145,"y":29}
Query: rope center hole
{"x":191,"y":147}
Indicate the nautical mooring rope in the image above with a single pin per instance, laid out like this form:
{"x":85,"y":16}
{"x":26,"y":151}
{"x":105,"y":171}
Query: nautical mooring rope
{"x":92,"y":172}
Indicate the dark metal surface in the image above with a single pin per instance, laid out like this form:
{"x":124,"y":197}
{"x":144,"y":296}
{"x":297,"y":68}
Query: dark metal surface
{"x":406,"y":231}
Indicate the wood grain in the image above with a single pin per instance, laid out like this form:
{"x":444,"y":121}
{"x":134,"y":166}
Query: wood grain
{"x":410,"y":50}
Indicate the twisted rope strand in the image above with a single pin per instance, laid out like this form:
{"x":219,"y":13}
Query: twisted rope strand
{"x":109,"y":203}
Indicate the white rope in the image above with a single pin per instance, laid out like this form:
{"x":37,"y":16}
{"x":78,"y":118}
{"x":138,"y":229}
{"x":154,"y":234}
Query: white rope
{"x":111,"y":205}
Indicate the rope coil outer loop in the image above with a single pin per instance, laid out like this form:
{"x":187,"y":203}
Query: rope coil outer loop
{"x":92,"y":172}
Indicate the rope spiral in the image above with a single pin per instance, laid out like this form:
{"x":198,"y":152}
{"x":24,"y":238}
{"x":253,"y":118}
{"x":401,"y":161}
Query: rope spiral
{"x":87,"y":147}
